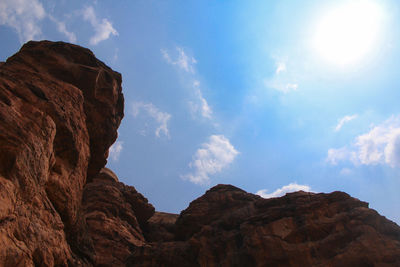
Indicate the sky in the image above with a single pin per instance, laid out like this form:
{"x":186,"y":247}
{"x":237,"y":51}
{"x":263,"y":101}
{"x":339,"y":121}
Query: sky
{"x":269,"y":96}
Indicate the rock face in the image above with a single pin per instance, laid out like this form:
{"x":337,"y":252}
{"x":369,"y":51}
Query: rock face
{"x":115,"y":214}
{"x":60,"y":108}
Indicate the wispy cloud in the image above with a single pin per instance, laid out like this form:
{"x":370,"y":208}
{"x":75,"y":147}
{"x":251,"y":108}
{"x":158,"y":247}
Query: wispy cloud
{"x":182,"y":60}
{"x":282,"y":80}
{"x":200,"y":104}
{"x":290,"y":87}
{"x":61,"y":27}
{"x":344,"y":120}
{"x":292,"y":187}
{"x":115,"y":150}
{"x":213,"y":156}
{"x":160,"y":117}
{"x":281,"y":66}
{"x":26,"y":18}
{"x":335,"y":155}
{"x":103,"y":28}
{"x":23,"y":16}
{"x":381,"y":145}
{"x":346,"y":171}
{"x":281,"y":86}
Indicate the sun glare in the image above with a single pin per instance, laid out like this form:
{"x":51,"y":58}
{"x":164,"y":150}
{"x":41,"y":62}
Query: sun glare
{"x":348,"y":32}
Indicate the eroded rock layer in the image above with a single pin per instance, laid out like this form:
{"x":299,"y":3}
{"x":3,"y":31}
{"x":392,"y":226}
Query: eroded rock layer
{"x":60,"y":108}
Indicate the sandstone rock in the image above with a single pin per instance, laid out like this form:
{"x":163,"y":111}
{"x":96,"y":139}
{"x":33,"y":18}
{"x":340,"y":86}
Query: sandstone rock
{"x":60,"y":108}
{"x":219,"y":201}
{"x":115,"y":214}
{"x":161,"y":227}
{"x":229,"y":227}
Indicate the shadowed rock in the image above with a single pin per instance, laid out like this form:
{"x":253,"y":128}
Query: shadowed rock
{"x":115,"y":215}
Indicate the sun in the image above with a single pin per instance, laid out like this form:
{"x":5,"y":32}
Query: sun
{"x":348,"y":32}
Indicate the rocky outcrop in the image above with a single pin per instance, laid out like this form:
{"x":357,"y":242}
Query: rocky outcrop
{"x":161,"y":227}
{"x":115,"y":215}
{"x":229,"y":227}
{"x":60,"y":108}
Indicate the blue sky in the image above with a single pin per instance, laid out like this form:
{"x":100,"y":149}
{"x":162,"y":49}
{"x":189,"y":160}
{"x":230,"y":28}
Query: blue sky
{"x":270,"y":97}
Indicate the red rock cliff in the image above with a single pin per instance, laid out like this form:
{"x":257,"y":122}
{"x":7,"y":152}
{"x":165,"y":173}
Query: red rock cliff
{"x":60,"y":108}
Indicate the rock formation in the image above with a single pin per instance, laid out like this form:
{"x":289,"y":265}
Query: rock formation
{"x":60,"y":108}
{"x":229,"y":227}
{"x":115,"y":215}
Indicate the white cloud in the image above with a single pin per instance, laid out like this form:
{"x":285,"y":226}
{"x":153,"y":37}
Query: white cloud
{"x":292,"y":187}
{"x":160,"y":117}
{"x":340,"y":154}
{"x":103,"y":29}
{"x":290,"y":87}
{"x":281,"y":85}
{"x":213,"y":156}
{"x":283,"y":79}
{"x":61,"y":27}
{"x":346,"y":171}
{"x":344,"y":120}
{"x":197,"y":103}
{"x":200,"y":104}
{"x":183,"y":61}
{"x":205,"y":109}
{"x":24,"y":16}
{"x":281,"y":66}
{"x":115,"y":150}
{"x":381,"y":145}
